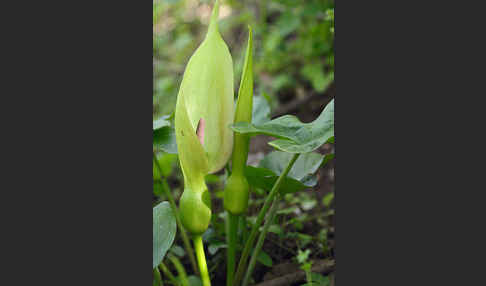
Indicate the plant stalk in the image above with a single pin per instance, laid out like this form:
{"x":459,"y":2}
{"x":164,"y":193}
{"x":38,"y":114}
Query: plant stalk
{"x":232,"y":231}
{"x":157,"y":278}
{"x":308,"y":276}
{"x":244,"y":230}
{"x":261,"y":239}
{"x":261,"y":216}
{"x":168,"y":274}
{"x":185,"y":238}
{"x":180,"y":270}
{"x":201,"y":259}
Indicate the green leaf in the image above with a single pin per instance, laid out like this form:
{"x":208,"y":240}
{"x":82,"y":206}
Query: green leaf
{"x":308,"y":204}
{"x":302,"y":256}
{"x":327,"y":199}
{"x":177,"y":250}
{"x":317,"y":281}
{"x":300,"y":177}
{"x":261,"y":110}
{"x":264,"y":258}
{"x":306,"y":164}
{"x":320,"y":280}
{"x":164,"y":139}
{"x":164,"y":231}
{"x":327,"y":158}
{"x":166,"y":162}
{"x":164,"y":135}
{"x":161,"y":122}
{"x":306,"y":266}
{"x":157,"y":279}
{"x":295,"y":136}
{"x":194,"y":281}
{"x":158,"y":188}
{"x":264,"y":179}
{"x":215,"y":246}
{"x":309,"y":180}
{"x":209,"y":234}
{"x":275,"y":228}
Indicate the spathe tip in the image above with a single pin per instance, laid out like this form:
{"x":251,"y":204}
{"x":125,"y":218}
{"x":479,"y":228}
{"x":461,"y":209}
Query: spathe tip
{"x":213,"y":24}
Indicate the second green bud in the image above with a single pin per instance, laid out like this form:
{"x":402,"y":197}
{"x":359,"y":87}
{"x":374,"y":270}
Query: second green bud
{"x":236,"y":194}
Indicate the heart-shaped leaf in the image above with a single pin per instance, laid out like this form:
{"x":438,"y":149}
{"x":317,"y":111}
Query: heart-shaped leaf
{"x":294,"y":136}
{"x":265,"y":179}
{"x":306,"y":164}
{"x":164,"y":231}
{"x":301,"y":176}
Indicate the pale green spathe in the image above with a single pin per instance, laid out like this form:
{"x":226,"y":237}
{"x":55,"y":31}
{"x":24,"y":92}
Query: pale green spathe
{"x":207,"y":91}
{"x":206,"y":96}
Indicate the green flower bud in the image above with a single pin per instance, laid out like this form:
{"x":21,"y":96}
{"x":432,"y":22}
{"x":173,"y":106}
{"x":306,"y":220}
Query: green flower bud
{"x":236,"y":191}
{"x":195,"y":210}
{"x":207,"y":89}
{"x":204,"y":103}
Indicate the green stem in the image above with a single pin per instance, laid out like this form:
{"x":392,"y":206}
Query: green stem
{"x":157,"y":278}
{"x":261,"y":239}
{"x":228,"y":169}
{"x":180,"y":270}
{"x":232,"y":237}
{"x":201,"y":259}
{"x":182,"y":231}
{"x":261,"y":216}
{"x":168,"y":274}
{"x":244,"y":230}
{"x":308,"y":277}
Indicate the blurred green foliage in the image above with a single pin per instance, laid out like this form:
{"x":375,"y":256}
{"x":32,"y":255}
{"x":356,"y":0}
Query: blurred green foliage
{"x":293,"y":45}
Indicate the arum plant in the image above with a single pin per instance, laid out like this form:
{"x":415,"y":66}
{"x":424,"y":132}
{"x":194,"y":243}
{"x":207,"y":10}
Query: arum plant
{"x":204,"y":140}
{"x":204,"y":110}
{"x":296,"y":138}
{"x":237,"y":188}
